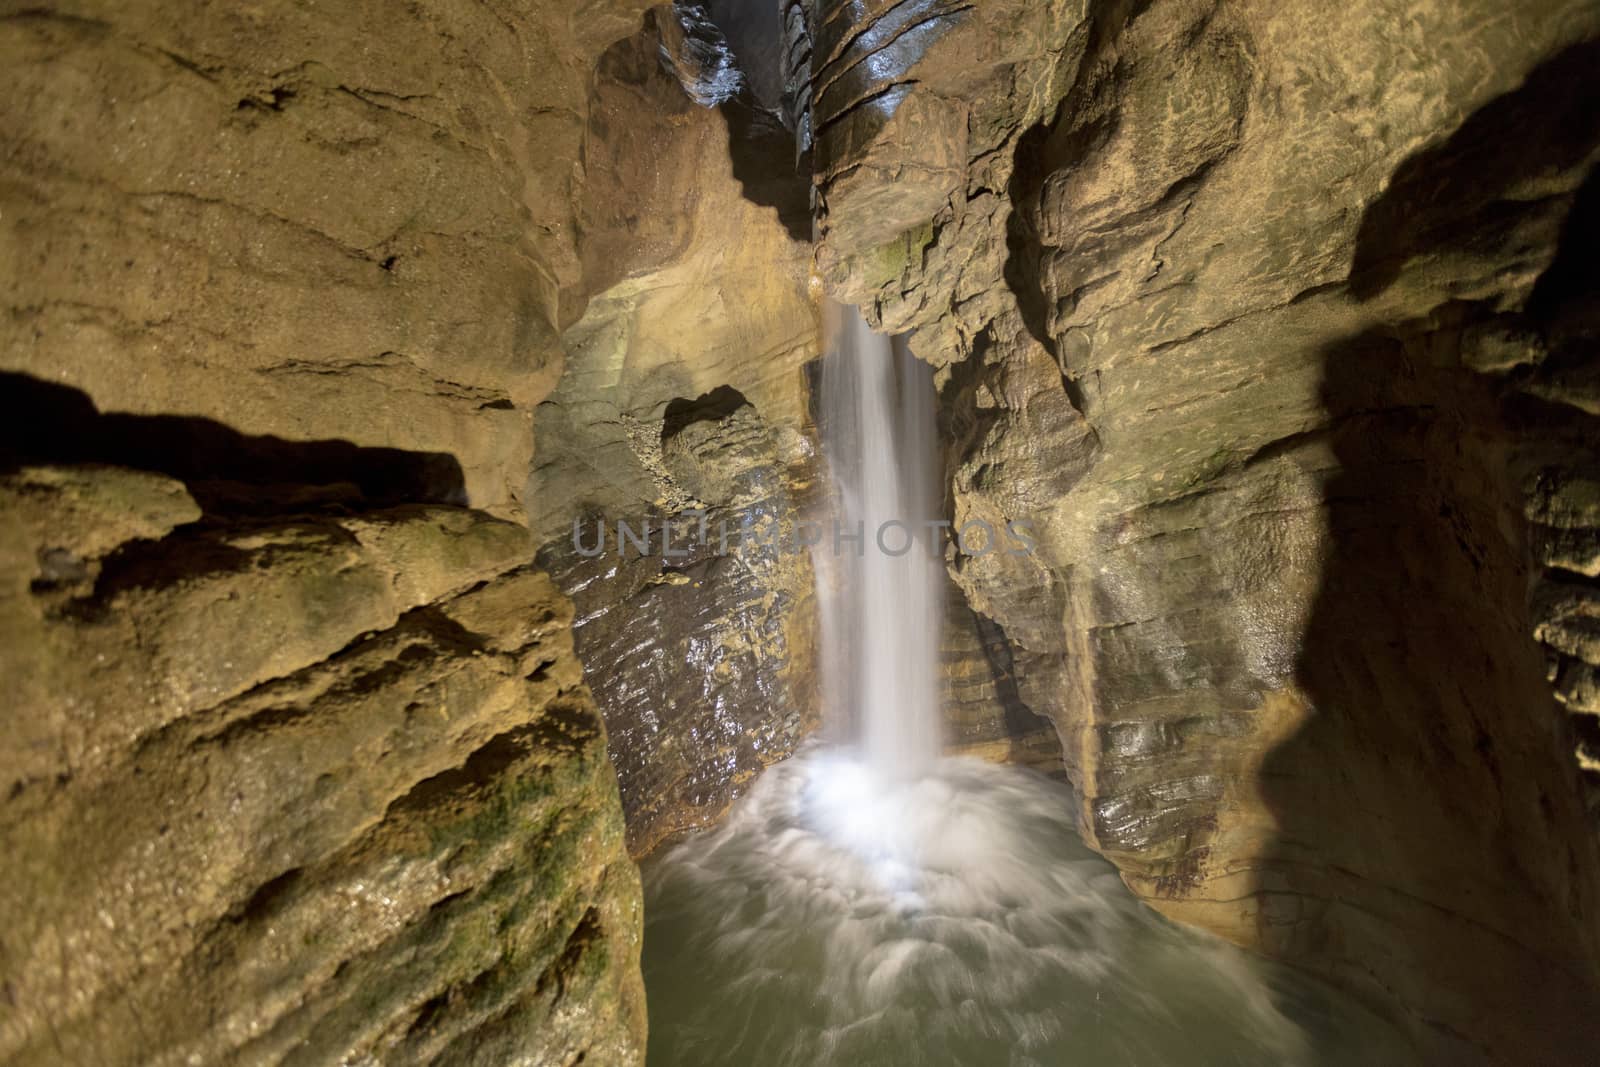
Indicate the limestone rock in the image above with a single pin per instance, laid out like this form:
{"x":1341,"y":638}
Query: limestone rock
{"x":88,"y":512}
{"x":984,"y":713}
{"x":316,"y":222}
{"x":685,"y":392}
{"x":702,"y":632}
{"x":698,"y":53}
{"x":299,"y":765}
{"x":276,"y":792}
{"x":1294,"y":314}
{"x":716,"y":448}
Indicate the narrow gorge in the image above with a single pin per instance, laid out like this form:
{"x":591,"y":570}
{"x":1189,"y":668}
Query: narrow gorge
{"x":434,"y":441}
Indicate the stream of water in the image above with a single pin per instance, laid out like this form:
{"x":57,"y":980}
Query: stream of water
{"x":870,"y":903}
{"x":878,"y":566}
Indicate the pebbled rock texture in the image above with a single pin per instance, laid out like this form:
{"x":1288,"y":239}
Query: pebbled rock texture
{"x":322,"y":787}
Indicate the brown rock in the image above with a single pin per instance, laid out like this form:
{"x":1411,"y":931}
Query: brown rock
{"x":298,"y":764}
{"x":303,"y":222}
{"x":268,"y":803}
{"x":1279,"y":616}
{"x":685,"y":388}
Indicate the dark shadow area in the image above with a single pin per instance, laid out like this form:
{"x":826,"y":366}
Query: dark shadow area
{"x":1431,"y":849}
{"x":981,"y":700}
{"x":763,"y":154}
{"x":1563,"y":303}
{"x":761,"y":145}
{"x":963,"y":425}
{"x":1429,"y":833}
{"x":748,"y":38}
{"x":1553,"y":413}
{"x":642,"y":160}
{"x":226,"y":471}
{"x":1031,"y":737}
{"x":1024,"y":268}
{"x":755,"y":33}
{"x":1545,"y":403}
{"x":1463,"y":194}
{"x":714,"y":406}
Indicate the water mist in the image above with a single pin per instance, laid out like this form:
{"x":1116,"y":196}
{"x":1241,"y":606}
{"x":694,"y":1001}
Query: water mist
{"x":869,"y":902}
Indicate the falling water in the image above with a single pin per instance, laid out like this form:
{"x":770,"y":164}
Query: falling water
{"x":870,"y":902}
{"x":878,"y":564}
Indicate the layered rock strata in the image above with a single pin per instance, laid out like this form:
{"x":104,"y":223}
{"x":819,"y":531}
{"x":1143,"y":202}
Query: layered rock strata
{"x":310,"y":221}
{"x":684,"y":406}
{"x":298,"y":762}
{"x":306,"y":788}
{"x":1270,"y":320}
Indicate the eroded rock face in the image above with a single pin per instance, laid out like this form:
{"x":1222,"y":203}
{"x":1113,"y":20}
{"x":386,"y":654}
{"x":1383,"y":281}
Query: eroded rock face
{"x":1252,"y":312}
{"x":983,"y":710}
{"x":298,"y":762}
{"x":304,"y":789}
{"x":698,"y":52}
{"x":701,"y":629}
{"x":318,"y":222}
{"x":684,"y":402}
{"x":1272,"y":322}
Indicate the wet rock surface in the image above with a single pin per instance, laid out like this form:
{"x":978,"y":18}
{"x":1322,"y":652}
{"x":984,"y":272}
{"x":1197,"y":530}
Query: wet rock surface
{"x":1261,"y":333}
{"x":684,"y":402}
{"x":1273,"y":323}
{"x":698,"y":52}
{"x":700,"y":620}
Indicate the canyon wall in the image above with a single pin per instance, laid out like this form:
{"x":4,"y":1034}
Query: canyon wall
{"x":1270,"y":320}
{"x":334,"y":335}
{"x":686,"y":406}
{"x":299,"y":764}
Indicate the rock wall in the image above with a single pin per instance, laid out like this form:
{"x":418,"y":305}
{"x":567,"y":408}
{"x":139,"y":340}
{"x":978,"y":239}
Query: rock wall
{"x":688,"y":403}
{"x":983,"y":710}
{"x":298,"y":763}
{"x":1272,"y":322}
{"x":316,"y":221}
{"x":1251,"y":311}
{"x":685,"y":402}
{"x":299,"y":788}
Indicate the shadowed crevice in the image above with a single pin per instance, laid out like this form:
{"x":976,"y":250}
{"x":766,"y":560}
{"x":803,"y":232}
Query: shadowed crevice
{"x":226,"y":471}
{"x":762,"y":151}
{"x":1044,"y":149}
{"x":1431,"y":845}
{"x":1563,"y":304}
{"x":714,"y":406}
{"x":1473,"y":190}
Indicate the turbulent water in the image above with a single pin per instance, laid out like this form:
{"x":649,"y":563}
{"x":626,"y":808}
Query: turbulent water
{"x":840,"y":918}
{"x":872,"y":904}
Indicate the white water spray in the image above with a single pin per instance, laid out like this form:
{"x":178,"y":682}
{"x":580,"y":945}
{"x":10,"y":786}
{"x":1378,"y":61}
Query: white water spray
{"x":872,"y":903}
{"x":878,"y":566}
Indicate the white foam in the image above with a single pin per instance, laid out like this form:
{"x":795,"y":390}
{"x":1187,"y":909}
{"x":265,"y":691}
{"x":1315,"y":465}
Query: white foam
{"x":841,"y":915}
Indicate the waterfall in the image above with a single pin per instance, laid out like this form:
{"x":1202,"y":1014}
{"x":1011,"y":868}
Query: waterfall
{"x":878,"y":563}
{"x":871,"y":902}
